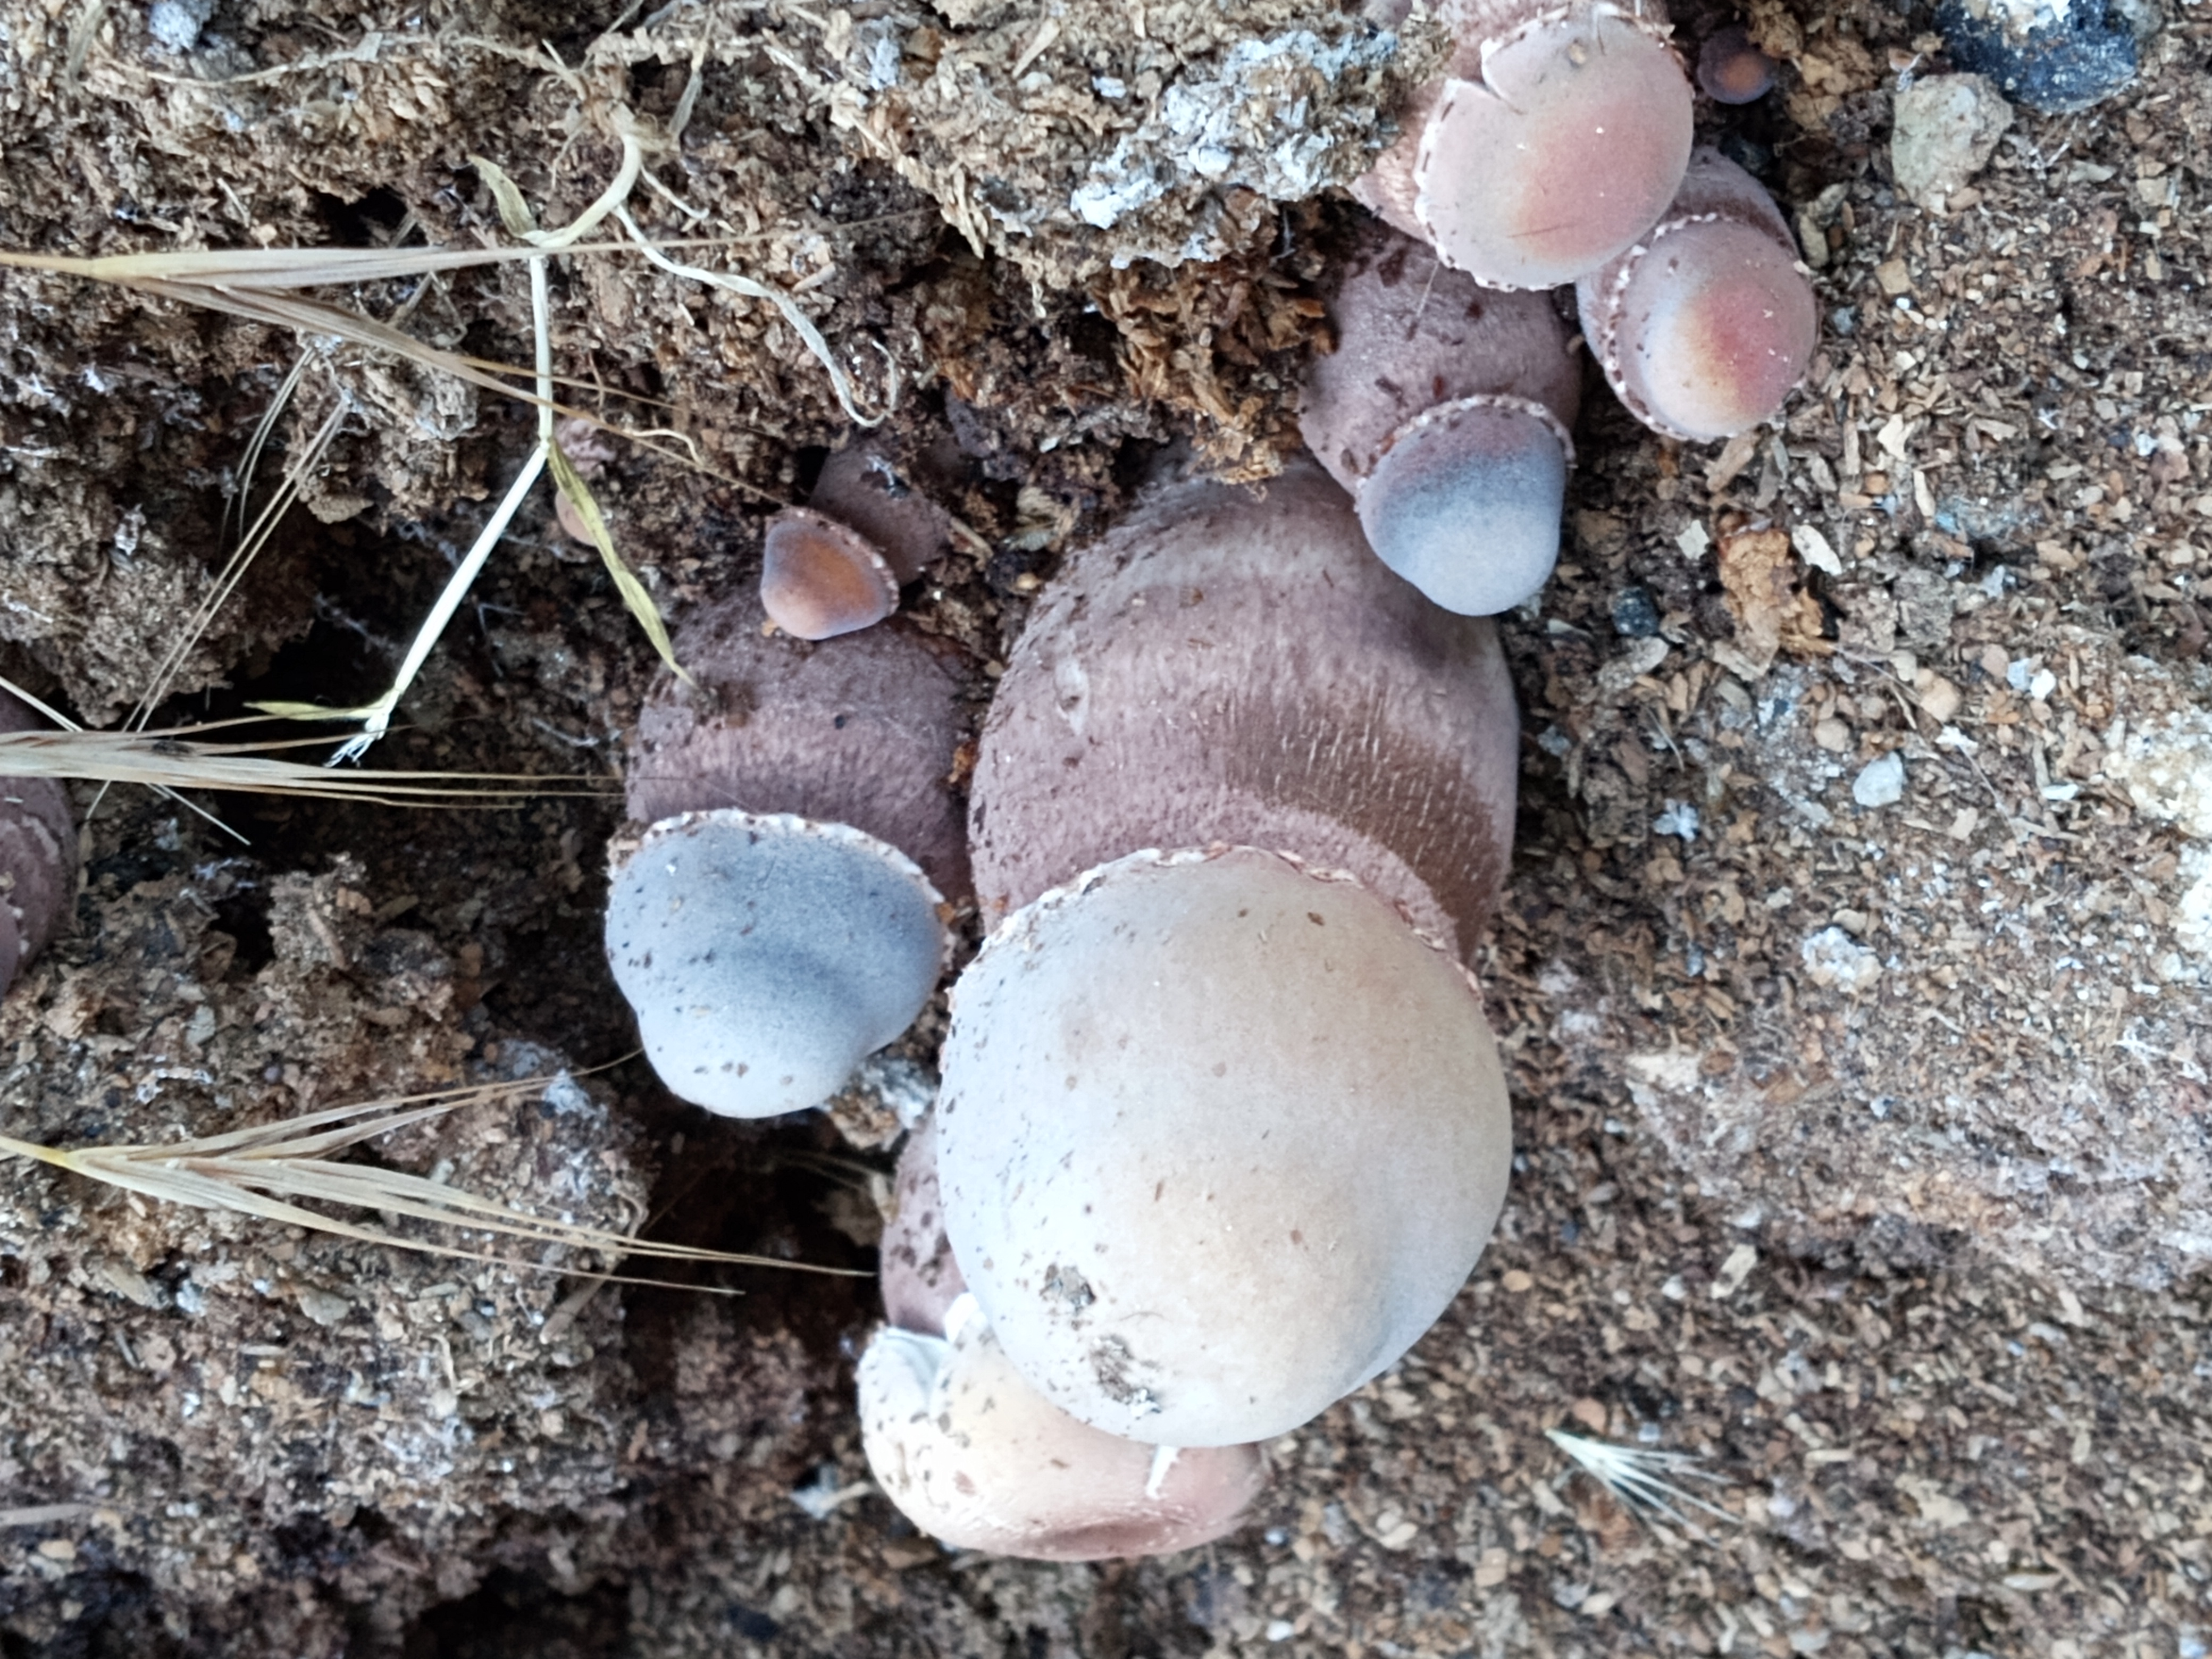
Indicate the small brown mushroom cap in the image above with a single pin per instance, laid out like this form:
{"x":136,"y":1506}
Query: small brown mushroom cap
{"x":835,"y":566}
{"x":820,"y":579}
{"x":1707,"y":324}
{"x":974,"y":1456}
{"x":1199,"y":1210}
{"x":1445,"y":410}
{"x":38,"y":855}
{"x":1554,"y":138}
{"x":918,"y":1278}
{"x":1222,"y":668}
{"x":861,"y":730}
{"x":1731,"y":68}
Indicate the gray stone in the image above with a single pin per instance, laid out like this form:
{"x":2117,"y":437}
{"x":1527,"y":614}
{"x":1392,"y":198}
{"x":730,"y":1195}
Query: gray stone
{"x":1882,"y":783}
{"x":1947,"y":129}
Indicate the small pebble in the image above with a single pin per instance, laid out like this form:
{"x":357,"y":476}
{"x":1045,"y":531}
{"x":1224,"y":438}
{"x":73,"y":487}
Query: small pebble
{"x":1880,"y":782}
{"x":1946,"y":130}
{"x":1635,"y":614}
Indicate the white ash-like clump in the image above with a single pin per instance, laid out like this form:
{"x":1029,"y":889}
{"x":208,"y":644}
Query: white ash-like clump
{"x":1253,"y":121}
{"x":2167,"y":769}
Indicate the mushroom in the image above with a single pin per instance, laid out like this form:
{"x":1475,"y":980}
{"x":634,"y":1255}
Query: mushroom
{"x":767,"y":955}
{"x":1706,"y":326}
{"x":1732,"y":70}
{"x":1445,"y":410}
{"x":1199,"y":1209}
{"x":972,"y":1453}
{"x":1549,"y":139}
{"x":835,"y":566}
{"x":1220,"y":668}
{"x":918,"y":1277}
{"x":864,"y":731}
{"x":38,"y":856}
{"x":784,"y":915}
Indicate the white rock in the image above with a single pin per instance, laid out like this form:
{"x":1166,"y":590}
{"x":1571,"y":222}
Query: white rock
{"x":1833,"y":957}
{"x":1947,"y":128}
{"x":1880,"y":782}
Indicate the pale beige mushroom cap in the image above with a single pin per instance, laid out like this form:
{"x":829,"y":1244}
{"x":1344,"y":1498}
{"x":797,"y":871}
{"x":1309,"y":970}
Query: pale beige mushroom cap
{"x":974,"y":1456}
{"x":1219,"y":1139}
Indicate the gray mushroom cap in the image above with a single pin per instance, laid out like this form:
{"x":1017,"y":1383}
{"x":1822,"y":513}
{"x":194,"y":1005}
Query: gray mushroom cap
{"x":974,"y":1456}
{"x":1200,"y":1209}
{"x":767,"y":955}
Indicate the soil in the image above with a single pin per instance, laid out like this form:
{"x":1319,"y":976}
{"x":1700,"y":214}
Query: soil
{"x":1865,"y":1148}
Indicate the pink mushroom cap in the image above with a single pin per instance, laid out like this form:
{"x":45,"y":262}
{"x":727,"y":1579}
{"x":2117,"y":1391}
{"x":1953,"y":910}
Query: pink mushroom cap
{"x":976,"y":1457}
{"x":820,"y":579}
{"x":1565,"y":150}
{"x":1731,"y":70}
{"x":1706,"y":326}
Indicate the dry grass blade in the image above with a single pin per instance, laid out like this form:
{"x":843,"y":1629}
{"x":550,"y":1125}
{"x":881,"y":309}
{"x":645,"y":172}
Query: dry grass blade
{"x":273,"y":1171}
{"x":1643,"y":1481}
{"x":173,"y":760}
{"x":570,"y":483}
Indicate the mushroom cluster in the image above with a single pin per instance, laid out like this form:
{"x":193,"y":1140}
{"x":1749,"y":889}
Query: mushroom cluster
{"x":1554,"y":145}
{"x":1223,"y":1128}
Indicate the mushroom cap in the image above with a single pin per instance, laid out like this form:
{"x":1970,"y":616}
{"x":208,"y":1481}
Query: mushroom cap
{"x":1466,"y":504}
{"x":1556,"y":154}
{"x":820,"y":579}
{"x":1705,"y":327}
{"x":973,"y":1454}
{"x":1222,"y":668}
{"x":767,"y":955}
{"x":864,"y":486}
{"x":916,"y":1273}
{"x":1443,"y":410}
{"x":1731,"y":68}
{"x":1411,"y":334}
{"x":38,"y":853}
{"x":861,"y":730}
{"x":1200,"y":1210}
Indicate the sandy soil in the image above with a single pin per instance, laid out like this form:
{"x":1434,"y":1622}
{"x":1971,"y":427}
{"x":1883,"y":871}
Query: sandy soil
{"x":1867,"y":1150}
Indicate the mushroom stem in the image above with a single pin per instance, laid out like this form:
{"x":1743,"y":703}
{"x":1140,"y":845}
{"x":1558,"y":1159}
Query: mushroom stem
{"x":835,"y":566}
{"x":1552,"y":138}
{"x":1445,"y":410}
{"x":1219,"y":668}
{"x":1706,"y":326}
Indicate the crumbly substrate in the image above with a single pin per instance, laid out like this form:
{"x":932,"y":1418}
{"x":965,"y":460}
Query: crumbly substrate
{"x":1853,"y":979}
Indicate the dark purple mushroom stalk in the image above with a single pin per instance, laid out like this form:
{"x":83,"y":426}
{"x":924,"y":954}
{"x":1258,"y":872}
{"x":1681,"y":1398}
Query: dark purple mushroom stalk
{"x":1445,"y":410}
{"x":38,"y":856}
{"x":835,"y":566}
{"x":1223,"y":1128}
{"x":1549,"y":139}
{"x":784,"y":914}
{"x":976,"y":1457}
{"x":1706,"y":326}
